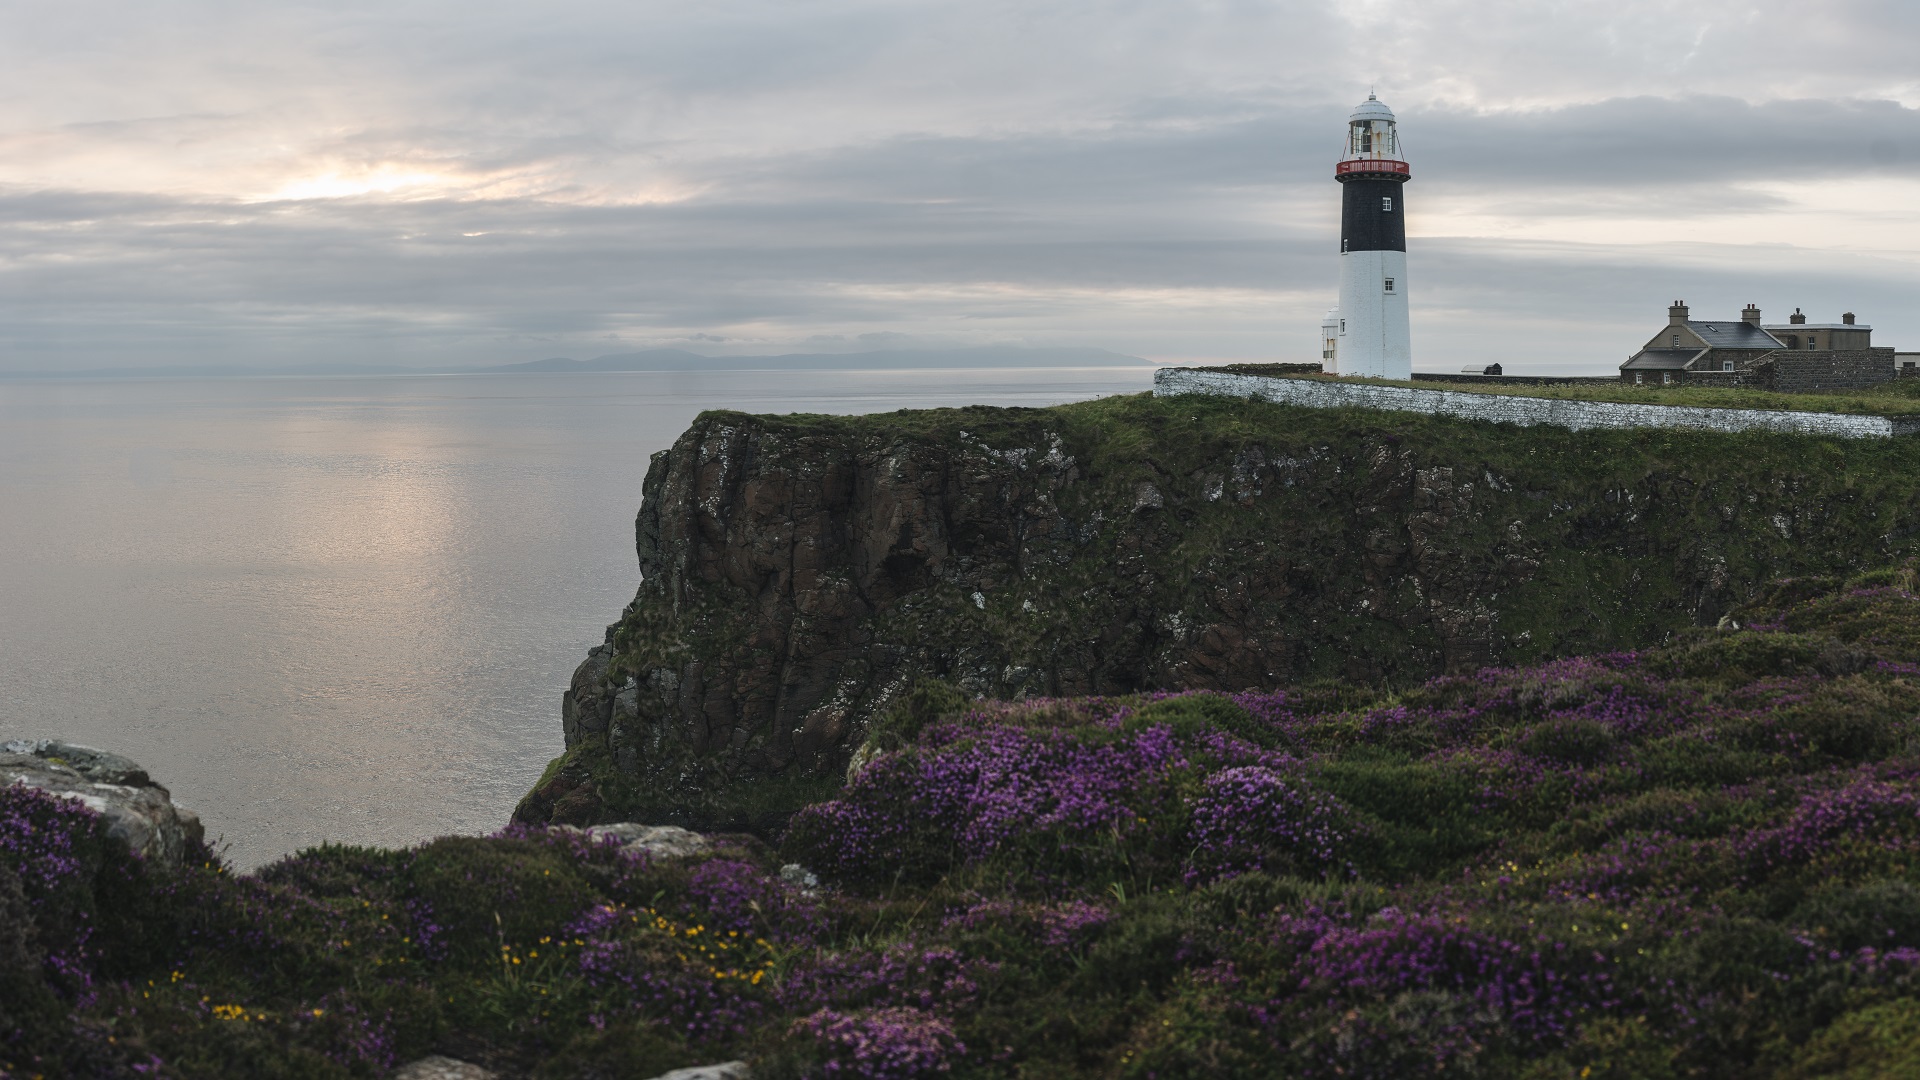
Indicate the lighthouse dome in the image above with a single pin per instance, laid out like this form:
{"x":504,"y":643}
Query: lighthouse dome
{"x":1370,"y":132}
{"x":1371,"y":109}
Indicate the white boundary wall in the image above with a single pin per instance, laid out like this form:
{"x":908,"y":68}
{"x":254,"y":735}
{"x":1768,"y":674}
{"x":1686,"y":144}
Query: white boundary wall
{"x":1524,"y":411}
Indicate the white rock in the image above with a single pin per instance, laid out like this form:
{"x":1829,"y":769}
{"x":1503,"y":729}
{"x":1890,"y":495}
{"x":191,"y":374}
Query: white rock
{"x":139,"y":812}
{"x":442,"y":1068}
{"x":726,"y":1070}
{"x":659,"y":841}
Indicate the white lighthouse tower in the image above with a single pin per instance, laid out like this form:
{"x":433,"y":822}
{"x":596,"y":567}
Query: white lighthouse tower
{"x":1373,"y":336}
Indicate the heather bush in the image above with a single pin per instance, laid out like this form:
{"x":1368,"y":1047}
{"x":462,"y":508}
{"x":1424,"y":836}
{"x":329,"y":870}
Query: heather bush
{"x":1694,"y":860}
{"x":881,"y":1044}
{"x":1254,"y":818}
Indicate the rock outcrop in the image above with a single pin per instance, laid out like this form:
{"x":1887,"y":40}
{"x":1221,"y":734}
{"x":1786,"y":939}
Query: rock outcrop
{"x":438,"y":1067}
{"x":138,"y":811}
{"x":654,"y":841}
{"x":800,"y":573}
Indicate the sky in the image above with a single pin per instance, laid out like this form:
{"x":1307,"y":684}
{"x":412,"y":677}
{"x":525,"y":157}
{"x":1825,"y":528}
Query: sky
{"x":429,"y":183}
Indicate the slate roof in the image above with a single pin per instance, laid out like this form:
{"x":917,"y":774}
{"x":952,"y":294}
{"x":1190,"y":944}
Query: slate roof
{"x":1661,"y":359}
{"x":1737,"y":334}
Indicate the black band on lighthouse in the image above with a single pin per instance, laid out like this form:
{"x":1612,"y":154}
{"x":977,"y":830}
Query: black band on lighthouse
{"x":1371,"y":215}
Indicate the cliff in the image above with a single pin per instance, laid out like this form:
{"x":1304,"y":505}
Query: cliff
{"x":802,"y":572}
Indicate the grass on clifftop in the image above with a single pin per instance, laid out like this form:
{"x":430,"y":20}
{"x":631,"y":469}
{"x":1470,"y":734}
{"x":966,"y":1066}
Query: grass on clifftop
{"x":1901,"y":397}
{"x":1696,"y":860}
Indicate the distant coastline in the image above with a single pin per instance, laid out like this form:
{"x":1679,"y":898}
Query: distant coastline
{"x":990,"y":356}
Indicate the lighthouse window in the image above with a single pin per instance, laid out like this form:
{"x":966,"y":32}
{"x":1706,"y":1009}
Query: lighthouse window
{"x":1389,"y":284}
{"x":1386,"y":203}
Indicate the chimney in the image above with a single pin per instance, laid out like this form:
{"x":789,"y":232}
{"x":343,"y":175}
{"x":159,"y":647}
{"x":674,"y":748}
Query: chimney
{"x":1677,"y":314}
{"x":1750,"y":315}
{"x":1847,"y":318}
{"x":1796,"y":318}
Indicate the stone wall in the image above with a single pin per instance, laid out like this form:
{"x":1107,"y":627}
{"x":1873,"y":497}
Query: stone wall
{"x":1510,"y":380}
{"x":1840,"y":369}
{"x":1724,"y":379}
{"x":1523,"y":411}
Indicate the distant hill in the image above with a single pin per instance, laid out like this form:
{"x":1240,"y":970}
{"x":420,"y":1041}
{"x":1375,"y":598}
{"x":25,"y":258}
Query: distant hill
{"x":879,"y":359}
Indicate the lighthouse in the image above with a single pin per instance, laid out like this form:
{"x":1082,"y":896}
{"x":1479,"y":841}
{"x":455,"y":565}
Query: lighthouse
{"x":1372,"y":337}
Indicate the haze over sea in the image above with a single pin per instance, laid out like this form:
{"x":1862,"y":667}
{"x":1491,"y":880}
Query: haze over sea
{"x":344,"y":609}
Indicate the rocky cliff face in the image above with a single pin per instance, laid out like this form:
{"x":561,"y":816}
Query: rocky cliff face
{"x":802,"y":572}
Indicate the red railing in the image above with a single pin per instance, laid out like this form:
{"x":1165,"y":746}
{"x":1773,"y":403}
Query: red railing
{"x":1372,"y":165}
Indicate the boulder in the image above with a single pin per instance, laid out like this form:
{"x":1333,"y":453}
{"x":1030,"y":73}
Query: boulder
{"x":446,"y":1068}
{"x":726,"y":1070}
{"x":659,"y":841}
{"x":437,"y":1067}
{"x":139,"y":812}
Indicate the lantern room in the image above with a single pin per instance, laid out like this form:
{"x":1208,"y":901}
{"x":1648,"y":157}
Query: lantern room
{"x":1370,"y":133}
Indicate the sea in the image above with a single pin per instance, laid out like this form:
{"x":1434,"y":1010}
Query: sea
{"x":343,"y":610}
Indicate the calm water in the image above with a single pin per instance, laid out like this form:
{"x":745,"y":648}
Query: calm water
{"x":344,"y":609}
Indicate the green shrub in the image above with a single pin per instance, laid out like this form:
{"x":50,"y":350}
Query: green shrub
{"x":1879,"y":1042}
{"x":1880,"y":915}
{"x":1570,"y":741}
{"x":488,"y":893}
{"x":1189,"y":715}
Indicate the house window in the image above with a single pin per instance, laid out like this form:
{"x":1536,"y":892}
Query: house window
{"x":1666,"y":376}
{"x":1639,"y":377}
{"x":1389,"y":284}
{"x":1726,"y":365}
{"x":1676,"y":341}
{"x":1809,"y":342}
{"x":1386,"y":204}
{"x":1343,"y":326}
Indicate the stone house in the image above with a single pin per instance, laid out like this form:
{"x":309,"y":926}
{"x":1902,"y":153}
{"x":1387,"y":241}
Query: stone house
{"x":1794,"y":355}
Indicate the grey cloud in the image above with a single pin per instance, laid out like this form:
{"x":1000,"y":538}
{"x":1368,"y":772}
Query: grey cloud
{"x":1141,"y":175}
{"x":1657,"y":142}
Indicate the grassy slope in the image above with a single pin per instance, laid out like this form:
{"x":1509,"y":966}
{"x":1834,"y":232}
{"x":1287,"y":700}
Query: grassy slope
{"x":1898,"y":398}
{"x":1627,"y":536}
{"x":1697,"y":860}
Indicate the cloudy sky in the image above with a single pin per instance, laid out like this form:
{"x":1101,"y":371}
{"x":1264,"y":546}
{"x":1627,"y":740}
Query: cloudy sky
{"x":429,"y":182}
